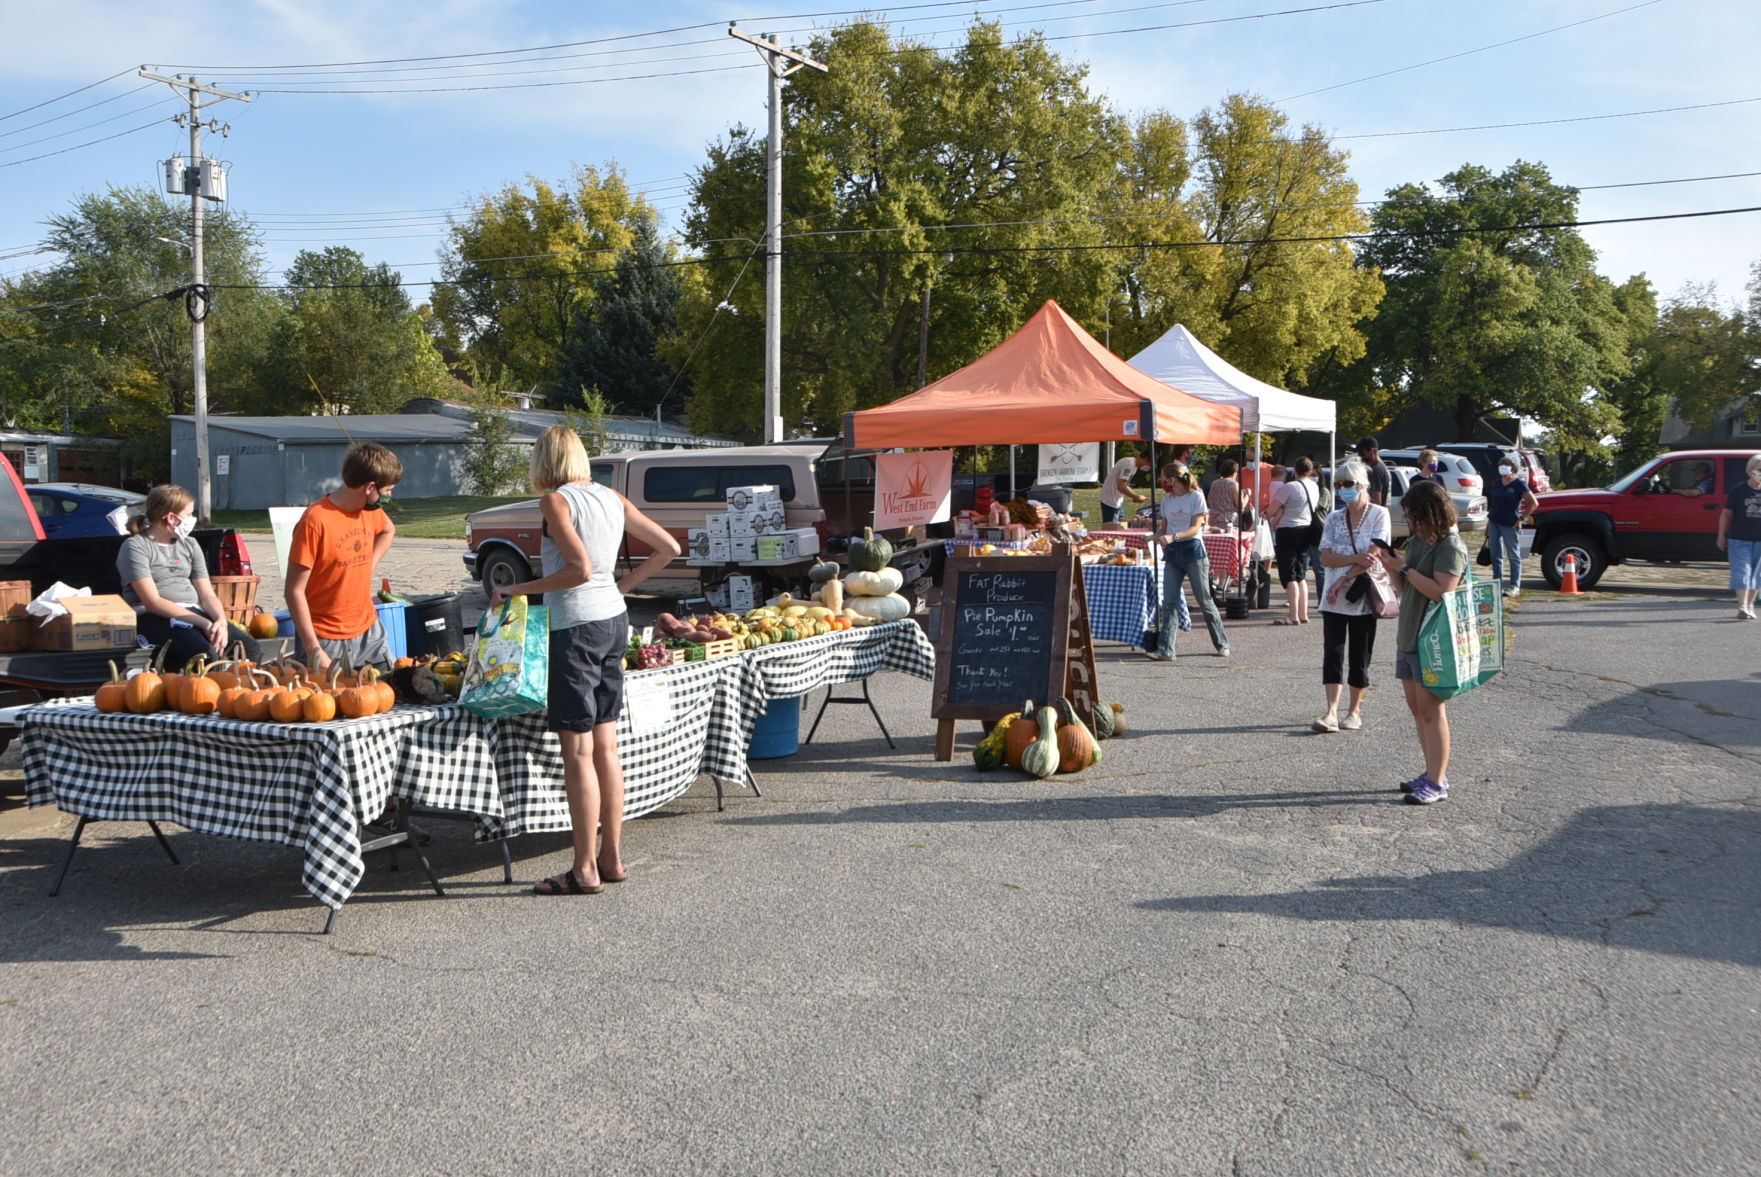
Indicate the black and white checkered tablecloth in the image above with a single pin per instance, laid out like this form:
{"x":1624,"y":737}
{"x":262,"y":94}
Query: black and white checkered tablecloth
{"x":312,"y":785}
{"x":306,"y":785}
{"x":520,"y":761}
{"x":792,"y":669}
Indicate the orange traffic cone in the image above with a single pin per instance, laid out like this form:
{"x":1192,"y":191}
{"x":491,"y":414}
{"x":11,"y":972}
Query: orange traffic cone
{"x":1568,"y":584}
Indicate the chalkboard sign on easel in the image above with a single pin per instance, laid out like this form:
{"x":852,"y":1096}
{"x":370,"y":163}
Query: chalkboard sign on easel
{"x":1004,"y":639}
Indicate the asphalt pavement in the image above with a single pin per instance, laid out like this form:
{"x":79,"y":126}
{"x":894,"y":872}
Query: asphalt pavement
{"x":1226,"y":949}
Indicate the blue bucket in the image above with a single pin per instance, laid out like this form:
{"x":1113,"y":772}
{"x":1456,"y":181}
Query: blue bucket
{"x":777,"y":732}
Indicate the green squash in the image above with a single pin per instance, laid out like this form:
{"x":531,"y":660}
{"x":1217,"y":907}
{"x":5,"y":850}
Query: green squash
{"x":871,"y":553}
{"x":1041,"y":757}
{"x":1103,"y":720}
{"x":822,"y":571}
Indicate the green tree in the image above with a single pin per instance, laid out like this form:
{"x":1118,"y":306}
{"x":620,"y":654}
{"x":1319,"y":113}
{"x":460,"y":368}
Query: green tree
{"x":613,"y":345}
{"x":516,"y":271}
{"x":349,"y":337}
{"x":1272,"y":295}
{"x":493,"y":465}
{"x":893,"y":142}
{"x":109,"y":346}
{"x":1487,"y":312}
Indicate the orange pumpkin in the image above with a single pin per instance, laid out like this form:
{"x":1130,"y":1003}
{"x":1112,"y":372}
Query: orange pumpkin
{"x":318,"y":707}
{"x":227,"y":704}
{"x":200,"y":695}
{"x":264,"y":625}
{"x":173,"y":686}
{"x":286,"y":706}
{"x":113,"y":695}
{"x":387,"y":696}
{"x":145,"y":693}
{"x":403,"y":662}
{"x":253,"y":705}
{"x":357,"y":702}
{"x":1076,"y":745}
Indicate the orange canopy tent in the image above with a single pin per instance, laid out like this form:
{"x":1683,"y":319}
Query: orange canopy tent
{"x":1050,"y":382}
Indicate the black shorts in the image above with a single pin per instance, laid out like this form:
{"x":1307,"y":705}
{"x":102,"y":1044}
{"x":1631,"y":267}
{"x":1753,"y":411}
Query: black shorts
{"x":587,"y":674}
{"x":1291,"y":546}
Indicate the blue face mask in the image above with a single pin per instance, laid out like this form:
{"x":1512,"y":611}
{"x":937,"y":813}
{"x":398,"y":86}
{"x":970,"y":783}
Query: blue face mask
{"x":1348,"y":494}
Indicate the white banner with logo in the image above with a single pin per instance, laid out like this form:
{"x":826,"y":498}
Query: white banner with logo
{"x":1063,"y":464}
{"x":912,"y":488}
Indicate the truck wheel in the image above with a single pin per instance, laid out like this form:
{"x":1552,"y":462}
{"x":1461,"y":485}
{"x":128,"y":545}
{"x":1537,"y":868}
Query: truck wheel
{"x":1592,"y":561}
{"x":502,"y":568}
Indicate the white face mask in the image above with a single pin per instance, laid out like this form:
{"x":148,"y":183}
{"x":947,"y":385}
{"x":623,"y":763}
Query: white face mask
{"x":1507,"y":471}
{"x":185,"y":525}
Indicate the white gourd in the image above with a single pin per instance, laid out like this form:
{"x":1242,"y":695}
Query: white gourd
{"x":891,"y":607}
{"x":874,"y":584}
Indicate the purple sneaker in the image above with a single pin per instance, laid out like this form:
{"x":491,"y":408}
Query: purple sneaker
{"x":1409,"y":786}
{"x":1428,"y":792}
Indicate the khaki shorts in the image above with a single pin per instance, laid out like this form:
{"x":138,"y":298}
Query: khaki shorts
{"x":370,"y":649}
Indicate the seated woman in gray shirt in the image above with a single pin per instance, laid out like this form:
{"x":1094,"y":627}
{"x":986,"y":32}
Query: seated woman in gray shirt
{"x":165,"y":577}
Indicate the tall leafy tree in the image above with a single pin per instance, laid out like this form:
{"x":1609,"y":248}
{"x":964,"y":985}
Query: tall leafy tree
{"x":1263,"y":277}
{"x":1490,"y":310}
{"x":613,"y":345}
{"x":517,"y":270}
{"x":350,"y":338}
{"x":108,"y":343}
{"x":998,"y":137}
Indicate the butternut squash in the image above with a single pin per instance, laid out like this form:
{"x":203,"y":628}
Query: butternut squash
{"x":1040,"y":759}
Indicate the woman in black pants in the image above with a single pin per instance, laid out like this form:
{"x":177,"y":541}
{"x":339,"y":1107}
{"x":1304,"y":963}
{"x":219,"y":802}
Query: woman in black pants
{"x":165,"y":577}
{"x":1348,"y":627}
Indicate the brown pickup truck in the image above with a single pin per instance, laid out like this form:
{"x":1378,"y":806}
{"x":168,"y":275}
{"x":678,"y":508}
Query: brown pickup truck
{"x":678,"y":489}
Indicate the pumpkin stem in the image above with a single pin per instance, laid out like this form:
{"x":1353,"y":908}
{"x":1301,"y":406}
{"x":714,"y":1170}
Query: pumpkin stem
{"x":115,"y":674}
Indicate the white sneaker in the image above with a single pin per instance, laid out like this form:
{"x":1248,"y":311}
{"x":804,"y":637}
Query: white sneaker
{"x":1514,"y":591}
{"x":1350,"y":722}
{"x":1324,"y":723}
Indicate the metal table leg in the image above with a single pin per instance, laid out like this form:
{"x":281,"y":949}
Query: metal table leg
{"x":866,"y":700}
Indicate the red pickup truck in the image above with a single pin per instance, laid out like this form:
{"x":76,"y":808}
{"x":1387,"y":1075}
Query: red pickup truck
{"x":1665,"y":512}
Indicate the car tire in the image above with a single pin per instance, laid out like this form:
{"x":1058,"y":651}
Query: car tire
{"x":1592,"y":561}
{"x":501,"y":568}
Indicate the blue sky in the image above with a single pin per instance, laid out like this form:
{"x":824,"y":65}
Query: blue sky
{"x":379,"y":172}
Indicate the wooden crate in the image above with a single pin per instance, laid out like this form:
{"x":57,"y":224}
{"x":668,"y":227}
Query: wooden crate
{"x":238,"y":596}
{"x":721,"y":647}
{"x":15,"y":633}
{"x":14,"y":596}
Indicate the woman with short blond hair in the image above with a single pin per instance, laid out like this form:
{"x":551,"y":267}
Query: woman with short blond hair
{"x":584,"y":524}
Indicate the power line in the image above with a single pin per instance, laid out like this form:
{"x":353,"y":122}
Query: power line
{"x":1469,"y":52}
{"x":76,"y":130}
{"x":51,"y":154}
{"x":1588,"y":118}
{"x":80,"y":110}
{"x":69,"y":94}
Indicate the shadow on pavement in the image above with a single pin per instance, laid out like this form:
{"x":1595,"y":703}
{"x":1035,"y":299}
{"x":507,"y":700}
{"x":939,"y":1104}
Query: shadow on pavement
{"x":1676,"y":879}
{"x":1098,"y":808}
{"x":1713,"y":698}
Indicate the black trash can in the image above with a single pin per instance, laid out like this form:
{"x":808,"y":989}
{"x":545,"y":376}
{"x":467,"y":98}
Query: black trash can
{"x":435,"y":625}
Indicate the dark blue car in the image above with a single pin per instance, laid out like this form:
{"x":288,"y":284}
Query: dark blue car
{"x":70,"y":509}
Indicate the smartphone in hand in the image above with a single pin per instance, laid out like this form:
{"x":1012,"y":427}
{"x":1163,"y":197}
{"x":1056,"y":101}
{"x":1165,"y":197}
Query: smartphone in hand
{"x":1384,"y":545}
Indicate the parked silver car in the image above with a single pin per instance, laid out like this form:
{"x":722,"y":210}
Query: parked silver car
{"x":1470,"y":508}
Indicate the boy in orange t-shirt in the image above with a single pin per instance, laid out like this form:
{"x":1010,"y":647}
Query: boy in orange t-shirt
{"x":336,"y":545}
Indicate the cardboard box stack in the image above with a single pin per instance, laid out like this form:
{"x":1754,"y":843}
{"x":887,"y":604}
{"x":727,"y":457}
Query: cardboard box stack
{"x":753,"y":528}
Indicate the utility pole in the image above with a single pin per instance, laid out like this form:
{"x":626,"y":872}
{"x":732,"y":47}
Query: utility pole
{"x":781,"y":63}
{"x":199,"y":181}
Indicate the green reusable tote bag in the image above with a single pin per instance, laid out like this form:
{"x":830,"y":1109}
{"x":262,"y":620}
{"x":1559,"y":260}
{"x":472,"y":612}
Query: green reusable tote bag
{"x":1461,"y":641}
{"x":509,"y":670}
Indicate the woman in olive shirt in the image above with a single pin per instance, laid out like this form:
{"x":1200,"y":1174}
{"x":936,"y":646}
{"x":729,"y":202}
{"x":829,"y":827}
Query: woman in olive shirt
{"x":1434,"y":563}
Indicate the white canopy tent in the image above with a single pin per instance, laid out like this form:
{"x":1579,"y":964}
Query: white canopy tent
{"x":1178,"y":358}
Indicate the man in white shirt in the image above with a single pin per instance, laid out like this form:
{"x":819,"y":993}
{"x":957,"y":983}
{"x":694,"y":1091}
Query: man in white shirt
{"x":1117,"y":488}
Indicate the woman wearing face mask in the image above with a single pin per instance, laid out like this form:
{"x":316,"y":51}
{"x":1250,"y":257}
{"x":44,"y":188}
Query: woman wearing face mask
{"x":1431,"y":468}
{"x":165,"y":577}
{"x":1348,"y":627}
{"x":1180,"y":523}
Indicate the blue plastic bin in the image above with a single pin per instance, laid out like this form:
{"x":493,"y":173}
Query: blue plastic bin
{"x":390,"y":616}
{"x":777,"y":732}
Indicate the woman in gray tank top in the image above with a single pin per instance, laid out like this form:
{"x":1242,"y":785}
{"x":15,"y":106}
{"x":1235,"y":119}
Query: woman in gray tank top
{"x":584,"y":525}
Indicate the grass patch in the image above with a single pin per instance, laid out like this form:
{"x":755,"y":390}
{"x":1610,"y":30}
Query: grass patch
{"x":441,"y":518}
